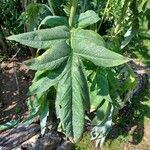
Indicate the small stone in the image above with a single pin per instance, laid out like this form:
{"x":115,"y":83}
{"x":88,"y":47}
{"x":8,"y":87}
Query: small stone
{"x":49,"y":141}
{"x":3,"y":65}
{"x":10,"y":65}
{"x":11,"y":71}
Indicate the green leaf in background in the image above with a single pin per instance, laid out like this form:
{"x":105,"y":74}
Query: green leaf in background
{"x":99,"y":89}
{"x":127,"y":38}
{"x":114,"y":88}
{"x":33,"y":104}
{"x":102,"y":112}
{"x":54,"y":21}
{"x":42,"y":39}
{"x":86,"y":19}
{"x":38,"y":105}
{"x":33,"y":14}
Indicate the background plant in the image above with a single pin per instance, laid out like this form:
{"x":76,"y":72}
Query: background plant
{"x":12,"y":10}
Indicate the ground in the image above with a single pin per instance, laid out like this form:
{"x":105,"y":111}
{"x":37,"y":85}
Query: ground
{"x":131,"y":131}
{"x":15,"y":80}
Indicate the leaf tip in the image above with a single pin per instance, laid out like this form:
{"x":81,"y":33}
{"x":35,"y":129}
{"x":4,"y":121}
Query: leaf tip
{"x":9,"y":38}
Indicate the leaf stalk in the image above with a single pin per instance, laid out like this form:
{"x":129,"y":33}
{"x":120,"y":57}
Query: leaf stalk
{"x":51,"y":7}
{"x":72,"y":12}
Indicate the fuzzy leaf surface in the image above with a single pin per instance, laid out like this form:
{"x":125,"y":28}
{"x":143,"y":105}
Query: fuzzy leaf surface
{"x":72,"y":92}
{"x":68,"y":49}
{"x":85,"y":45}
{"x":52,"y":78}
{"x":52,"y":58}
{"x":42,"y":39}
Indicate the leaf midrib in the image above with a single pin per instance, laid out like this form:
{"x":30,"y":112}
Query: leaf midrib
{"x":84,"y":55}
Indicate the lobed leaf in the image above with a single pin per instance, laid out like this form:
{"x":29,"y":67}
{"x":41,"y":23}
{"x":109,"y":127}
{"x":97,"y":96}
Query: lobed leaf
{"x":62,"y":64}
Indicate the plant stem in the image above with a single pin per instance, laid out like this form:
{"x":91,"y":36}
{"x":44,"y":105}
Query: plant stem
{"x":72,"y":11}
{"x":51,"y":7}
{"x":108,"y":1}
{"x":84,"y":5}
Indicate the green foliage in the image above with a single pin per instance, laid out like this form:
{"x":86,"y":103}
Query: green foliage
{"x":124,"y":22}
{"x":9,"y":9}
{"x":9,"y":125}
{"x":79,"y":64}
{"x":33,"y":15}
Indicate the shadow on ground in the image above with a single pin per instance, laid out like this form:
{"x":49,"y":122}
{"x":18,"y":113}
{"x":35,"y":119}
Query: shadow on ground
{"x":14,"y":82}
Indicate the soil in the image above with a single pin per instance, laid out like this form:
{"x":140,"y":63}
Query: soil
{"x":15,"y":78}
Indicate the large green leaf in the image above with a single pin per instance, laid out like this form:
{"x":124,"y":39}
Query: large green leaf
{"x":72,"y":92}
{"x":45,"y":83}
{"x":42,"y":39}
{"x":88,"y":36}
{"x":52,"y":58}
{"x":85,"y":45}
{"x":86,"y":19}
